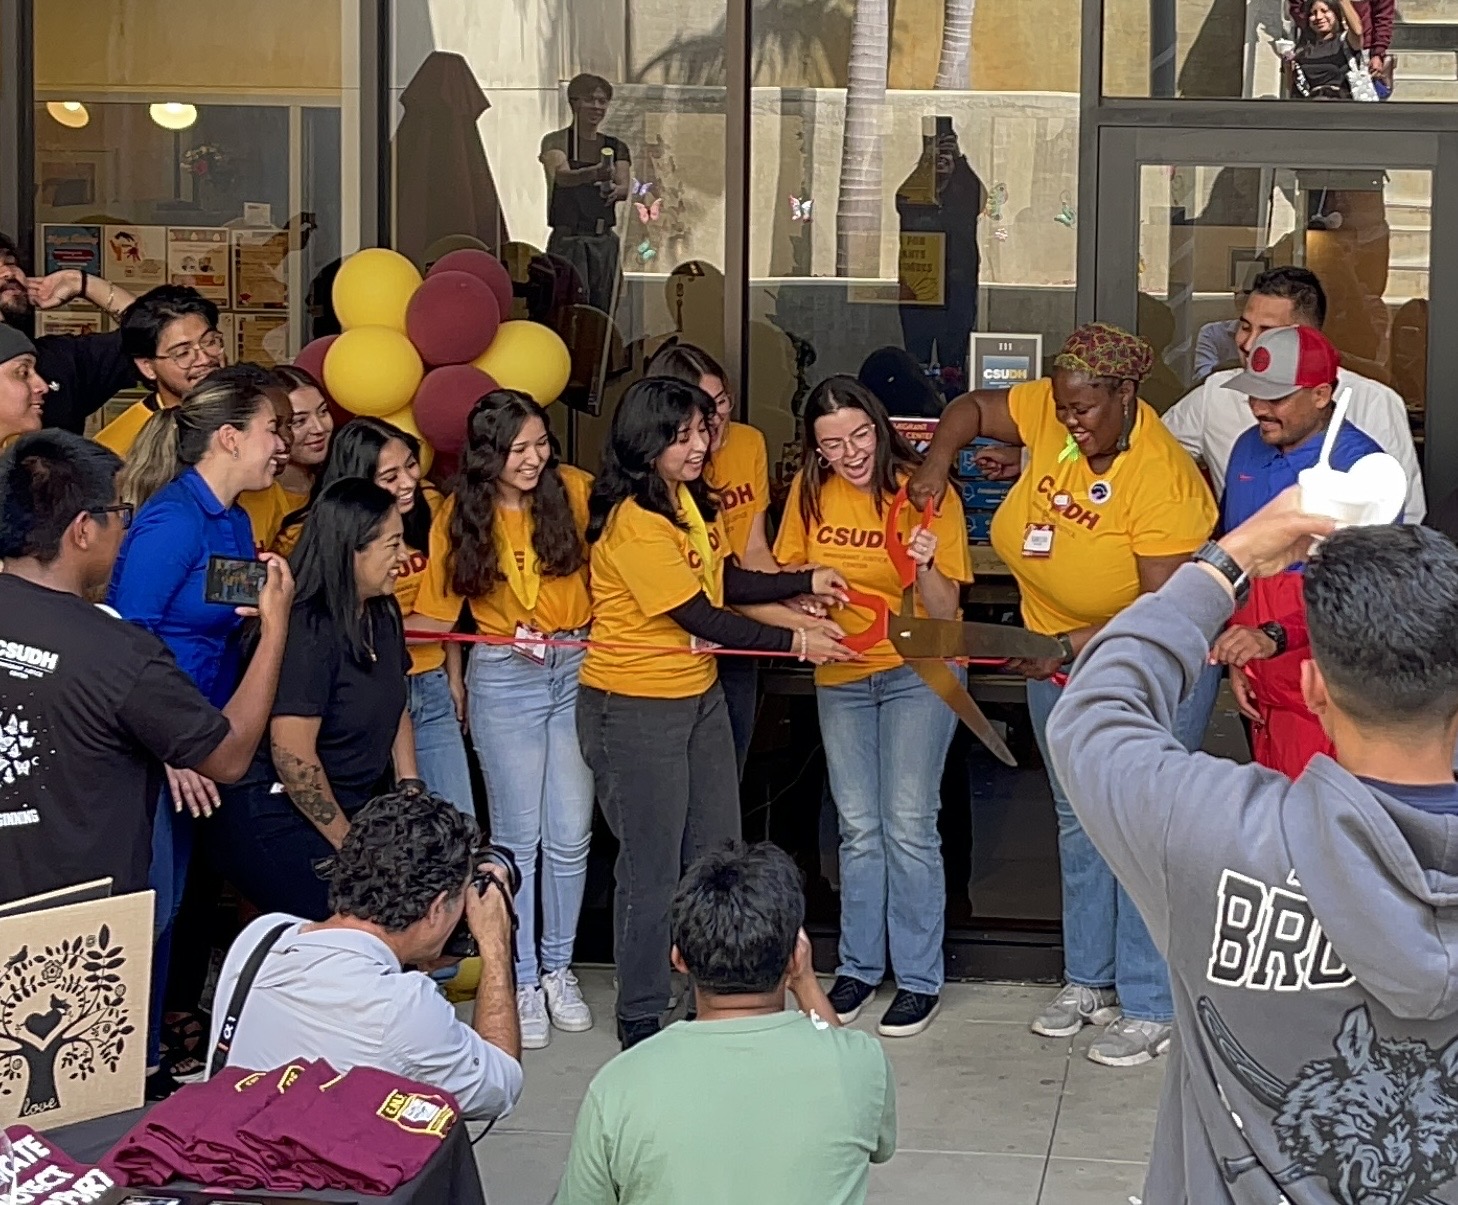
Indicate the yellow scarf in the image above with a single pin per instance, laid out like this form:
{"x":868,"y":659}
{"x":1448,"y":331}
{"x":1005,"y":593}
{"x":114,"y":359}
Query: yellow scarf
{"x":709,"y":570}
{"x":525,"y":579}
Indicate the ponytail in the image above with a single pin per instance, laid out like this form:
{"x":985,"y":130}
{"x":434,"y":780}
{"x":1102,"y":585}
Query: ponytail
{"x":153,"y":460}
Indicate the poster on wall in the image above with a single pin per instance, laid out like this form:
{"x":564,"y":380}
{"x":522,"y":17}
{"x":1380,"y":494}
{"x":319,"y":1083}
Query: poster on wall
{"x":263,"y":338}
{"x":922,"y":268}
{"x":88,"y":321}
{"x":260,"y":280}
{"x":66,"y":246}
{"x":198,"y":256}
{"x":1002,"y":361}
{"x":135,"y":256}
{"x":228,"y":328}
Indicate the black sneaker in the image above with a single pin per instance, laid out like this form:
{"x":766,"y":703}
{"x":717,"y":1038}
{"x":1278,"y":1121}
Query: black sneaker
{"x":909,"y":1014}
{"x":847,"y":996}
{"x":159,"y":1085}
{"x":630,"y":1033}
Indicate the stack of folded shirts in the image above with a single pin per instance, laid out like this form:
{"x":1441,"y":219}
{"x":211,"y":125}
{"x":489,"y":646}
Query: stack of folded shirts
{"x":298,"y":1127}
{"x":42,"y":1174}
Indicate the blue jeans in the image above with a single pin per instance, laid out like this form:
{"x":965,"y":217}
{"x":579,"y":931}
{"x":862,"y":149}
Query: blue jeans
{"x":172,"y":834}
{"x":1105,"y":940}
{"x":440,"y":749}
{"x":886,"y":738}
{"x":538,"y":790}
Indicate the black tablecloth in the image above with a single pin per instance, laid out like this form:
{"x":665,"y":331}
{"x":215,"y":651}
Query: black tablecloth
{"x":450,"y":1176}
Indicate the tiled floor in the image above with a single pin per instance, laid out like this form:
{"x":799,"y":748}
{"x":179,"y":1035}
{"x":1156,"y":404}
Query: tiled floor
{"x":981,"y":1101}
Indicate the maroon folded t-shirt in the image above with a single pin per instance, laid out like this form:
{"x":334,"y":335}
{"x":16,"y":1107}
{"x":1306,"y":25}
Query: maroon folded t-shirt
{"x":156,"y":1149}
{"x":44,"y":1173}
{"x":221,"y":1159}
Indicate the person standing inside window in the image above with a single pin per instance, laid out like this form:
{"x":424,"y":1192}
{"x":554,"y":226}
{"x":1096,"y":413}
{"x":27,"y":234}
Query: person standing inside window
{"x":340,"y":731}
{"x":310,"y":428}
{"x":651,"y":716}
{"x":1109,"y":507}
{"x":171,"y":333}
{"x":509,"y":543}
{"x":886,"y":731}
{"x":183,"y":475}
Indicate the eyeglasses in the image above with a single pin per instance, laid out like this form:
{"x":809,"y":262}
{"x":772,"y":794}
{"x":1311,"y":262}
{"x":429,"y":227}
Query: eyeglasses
{"x":862,"y":439}
{"x":123,"y":510}
{"x":723,"y":403}
{"x":186,"y":356}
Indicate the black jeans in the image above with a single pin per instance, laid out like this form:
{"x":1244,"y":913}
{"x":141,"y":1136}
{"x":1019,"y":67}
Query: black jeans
{"x":263,"y":845}
{"x":664,"y":774}
{"x":739,"y":676}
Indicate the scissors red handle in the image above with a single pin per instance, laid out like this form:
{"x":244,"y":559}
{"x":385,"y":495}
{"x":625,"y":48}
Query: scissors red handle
{"x":859,"y":642}
{"x":896,"y":547}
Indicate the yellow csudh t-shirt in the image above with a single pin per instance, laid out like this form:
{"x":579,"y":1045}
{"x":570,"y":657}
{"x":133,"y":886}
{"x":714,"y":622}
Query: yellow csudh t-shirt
{"x":563,"y":603}
{"x":122,"y":431}
{"x":1152,"y":502}
{"x":850,"y":535}
{"x":267,"y":510}
{"x":642,"y":568}
{"x":739,"y":470}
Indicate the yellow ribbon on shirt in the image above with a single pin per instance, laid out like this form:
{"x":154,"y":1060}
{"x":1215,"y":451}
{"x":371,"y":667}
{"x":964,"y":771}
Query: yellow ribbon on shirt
{"x":698,"y":537}
{"x":524,"y":576}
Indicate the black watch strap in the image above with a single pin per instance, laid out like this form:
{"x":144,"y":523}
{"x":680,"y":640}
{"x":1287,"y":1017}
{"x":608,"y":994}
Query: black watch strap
{"x":1277,"y":634}
{"x":1210,"y":553}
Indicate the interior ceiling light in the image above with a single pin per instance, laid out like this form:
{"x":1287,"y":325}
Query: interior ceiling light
{"x":70,"y":113}
{"x":173,"y":116}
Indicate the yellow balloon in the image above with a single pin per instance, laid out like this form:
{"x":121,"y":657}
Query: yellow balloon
{"x":372,"y":370}
{"x":530,"y":358}
{"x":373,"y":288}
{"x":405,"y":420}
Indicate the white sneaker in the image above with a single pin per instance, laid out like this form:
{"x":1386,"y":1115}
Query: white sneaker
{"x":531,"y":1010}
{"x":564,"y":1001}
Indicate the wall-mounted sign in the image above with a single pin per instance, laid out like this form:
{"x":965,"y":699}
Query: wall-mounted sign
{"x":1002,"y":361}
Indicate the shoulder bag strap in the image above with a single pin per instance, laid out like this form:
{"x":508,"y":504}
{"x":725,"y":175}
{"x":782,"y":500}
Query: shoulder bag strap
{"x":240,"y":995}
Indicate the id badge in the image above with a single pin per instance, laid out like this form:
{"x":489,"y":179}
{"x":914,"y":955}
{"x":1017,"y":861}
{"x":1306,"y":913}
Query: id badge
{"x":530,"y":644}
{"x":702,"y":646}
{"x":1038,"y":540}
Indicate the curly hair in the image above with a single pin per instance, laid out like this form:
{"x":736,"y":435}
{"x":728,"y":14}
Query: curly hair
{"x":495,"y":423}
{"x":403,"y":849}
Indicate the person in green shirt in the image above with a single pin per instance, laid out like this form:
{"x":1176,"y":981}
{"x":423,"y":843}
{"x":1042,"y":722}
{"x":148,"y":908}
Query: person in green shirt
{"x":750,"y":1102}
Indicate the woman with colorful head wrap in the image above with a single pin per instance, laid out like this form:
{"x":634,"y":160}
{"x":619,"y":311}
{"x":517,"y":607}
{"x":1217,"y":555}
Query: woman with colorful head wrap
{"x":1107,"y":508}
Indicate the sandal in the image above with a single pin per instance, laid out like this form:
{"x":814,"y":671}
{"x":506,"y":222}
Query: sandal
{"x":184,"y":1044}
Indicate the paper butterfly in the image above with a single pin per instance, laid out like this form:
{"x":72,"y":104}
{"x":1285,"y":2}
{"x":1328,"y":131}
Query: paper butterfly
{"x":1000,"y":234}
{"x":800,"y":210}
{"x":996,"y":199}
{"x":649,"y":213}
{"x":641,"y":189}
{"x":646,"y":252}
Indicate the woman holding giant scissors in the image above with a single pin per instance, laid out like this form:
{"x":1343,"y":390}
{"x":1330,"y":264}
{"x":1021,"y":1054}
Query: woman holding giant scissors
{"x":1107,"y":509}
{"x":886,"y":732}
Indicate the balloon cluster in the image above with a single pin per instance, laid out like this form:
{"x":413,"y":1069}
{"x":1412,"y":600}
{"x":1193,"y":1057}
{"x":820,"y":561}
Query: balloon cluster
{"x":419,"y":353}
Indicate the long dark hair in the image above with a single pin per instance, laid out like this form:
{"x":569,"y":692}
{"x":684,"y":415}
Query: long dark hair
{"x":495,"y":423}
{"x":894,"y":456}
{"x":684,"y":362}
{"x":645,"y":425}
{"x":355,"y":452}
{"x":343,"y":520}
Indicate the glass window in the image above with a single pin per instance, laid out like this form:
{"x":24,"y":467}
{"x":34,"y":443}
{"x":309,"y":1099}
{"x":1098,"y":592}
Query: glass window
{"x":199,"y":144}
{"x":1353,"y":50}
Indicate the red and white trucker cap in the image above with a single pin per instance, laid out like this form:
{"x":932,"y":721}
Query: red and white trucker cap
{"x":1285,"y":360}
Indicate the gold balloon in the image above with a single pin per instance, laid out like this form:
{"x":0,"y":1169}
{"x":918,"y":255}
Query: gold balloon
{"x":529,"y":358}
{"x":373,"y":288}
{"x":372,"y":370}
{"x":405,"y":420}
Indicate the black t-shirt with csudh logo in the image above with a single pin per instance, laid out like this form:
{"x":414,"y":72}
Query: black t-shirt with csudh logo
{"x":91,"y":707}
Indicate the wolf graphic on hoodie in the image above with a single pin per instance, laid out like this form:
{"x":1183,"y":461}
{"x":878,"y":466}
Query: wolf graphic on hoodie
{"x":1311,"y":931}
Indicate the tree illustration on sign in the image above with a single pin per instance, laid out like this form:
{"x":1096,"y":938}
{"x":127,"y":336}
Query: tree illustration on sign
{"x":64,"y":1014}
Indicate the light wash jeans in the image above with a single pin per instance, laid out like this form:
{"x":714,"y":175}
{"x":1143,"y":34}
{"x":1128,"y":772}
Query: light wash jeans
{"x":886,"y":738}
{"x":440,"y":749}
{"x":1105,"y":940}
{"x":538,"y":790}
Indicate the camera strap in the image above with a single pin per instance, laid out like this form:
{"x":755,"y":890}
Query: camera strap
{"x":240,"y":995}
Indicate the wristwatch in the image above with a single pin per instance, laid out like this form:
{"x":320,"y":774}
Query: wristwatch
{"x":1277,"y":633}
{"x":1066,"y":645}
{"x":1210,"y":553}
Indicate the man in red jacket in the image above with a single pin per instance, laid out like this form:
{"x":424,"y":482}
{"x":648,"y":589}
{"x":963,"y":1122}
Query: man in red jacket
{"x":1377,"y":19}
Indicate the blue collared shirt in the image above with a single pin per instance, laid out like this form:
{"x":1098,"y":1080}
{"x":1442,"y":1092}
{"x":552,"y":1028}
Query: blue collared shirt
{"x":1258,"y":472}
{"x":161,"y":574}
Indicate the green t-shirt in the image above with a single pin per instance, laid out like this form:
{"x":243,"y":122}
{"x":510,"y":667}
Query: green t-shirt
{"x":778,"y":1110}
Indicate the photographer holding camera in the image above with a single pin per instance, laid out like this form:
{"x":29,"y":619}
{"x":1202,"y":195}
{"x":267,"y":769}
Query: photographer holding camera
{"x":409,"y":873}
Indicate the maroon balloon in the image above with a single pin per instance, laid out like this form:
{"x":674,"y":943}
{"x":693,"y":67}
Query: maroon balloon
{"x":443,"y":402}
{"x":483,"y":266}
{"x":452,"y":318}
{"x":311,"y":360}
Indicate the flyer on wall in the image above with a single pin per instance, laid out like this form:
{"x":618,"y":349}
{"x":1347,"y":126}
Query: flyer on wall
{"x":66,"y":246}
{"x":263,"y":338}
{"x":259,"y":275}
{"x":198,"y":256}
{"x":228,"y":328}
{"x":1002,"y":361}
{"x":135,"y":256}
{"x":88,"y":321}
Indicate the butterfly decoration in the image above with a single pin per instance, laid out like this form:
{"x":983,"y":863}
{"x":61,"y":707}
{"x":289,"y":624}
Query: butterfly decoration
{"x":646,"y":254}
{"x":996,"y":199}
{"x":800,"y":210}
{"x":1000,"y":234}
{"x":650,"y":212}
{"x":1066,"y":215}
{"x":640,"y":189}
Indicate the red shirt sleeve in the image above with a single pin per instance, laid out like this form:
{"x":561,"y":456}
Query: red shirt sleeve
{"x":1379,"y":17}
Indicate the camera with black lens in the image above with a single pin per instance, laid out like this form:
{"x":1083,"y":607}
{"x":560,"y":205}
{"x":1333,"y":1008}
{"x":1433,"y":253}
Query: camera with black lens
{"x":461,"y":944}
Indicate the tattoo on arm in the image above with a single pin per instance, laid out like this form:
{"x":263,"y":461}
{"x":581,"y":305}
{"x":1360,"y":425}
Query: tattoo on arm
{"x":307,"y":786}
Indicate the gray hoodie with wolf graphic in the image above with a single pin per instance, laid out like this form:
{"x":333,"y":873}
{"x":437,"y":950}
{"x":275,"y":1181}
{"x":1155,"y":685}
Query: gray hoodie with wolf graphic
{"x":1311,"y":929}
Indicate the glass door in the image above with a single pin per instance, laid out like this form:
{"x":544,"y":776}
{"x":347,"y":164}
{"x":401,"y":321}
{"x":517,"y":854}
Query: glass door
{"x":1187,"y":218}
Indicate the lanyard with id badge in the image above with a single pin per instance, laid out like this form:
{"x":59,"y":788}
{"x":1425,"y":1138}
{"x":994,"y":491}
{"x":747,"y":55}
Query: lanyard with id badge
{"x":524,"y":579}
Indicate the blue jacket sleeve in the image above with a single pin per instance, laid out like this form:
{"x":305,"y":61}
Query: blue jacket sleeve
{"x":161,"y":550}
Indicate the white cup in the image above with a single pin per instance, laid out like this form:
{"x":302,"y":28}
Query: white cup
{"x":1373,"y":491}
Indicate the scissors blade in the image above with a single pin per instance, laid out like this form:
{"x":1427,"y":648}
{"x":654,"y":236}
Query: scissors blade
{"x":939,"y":676}
{"x":979,"y":641}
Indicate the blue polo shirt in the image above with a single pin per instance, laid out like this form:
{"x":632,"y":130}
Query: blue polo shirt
{"x":160,"y":578}
{"x":1258,"y":472}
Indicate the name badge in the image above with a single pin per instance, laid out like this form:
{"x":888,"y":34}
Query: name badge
{"x":1038,"y":540}
{"x":530,"y":644}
